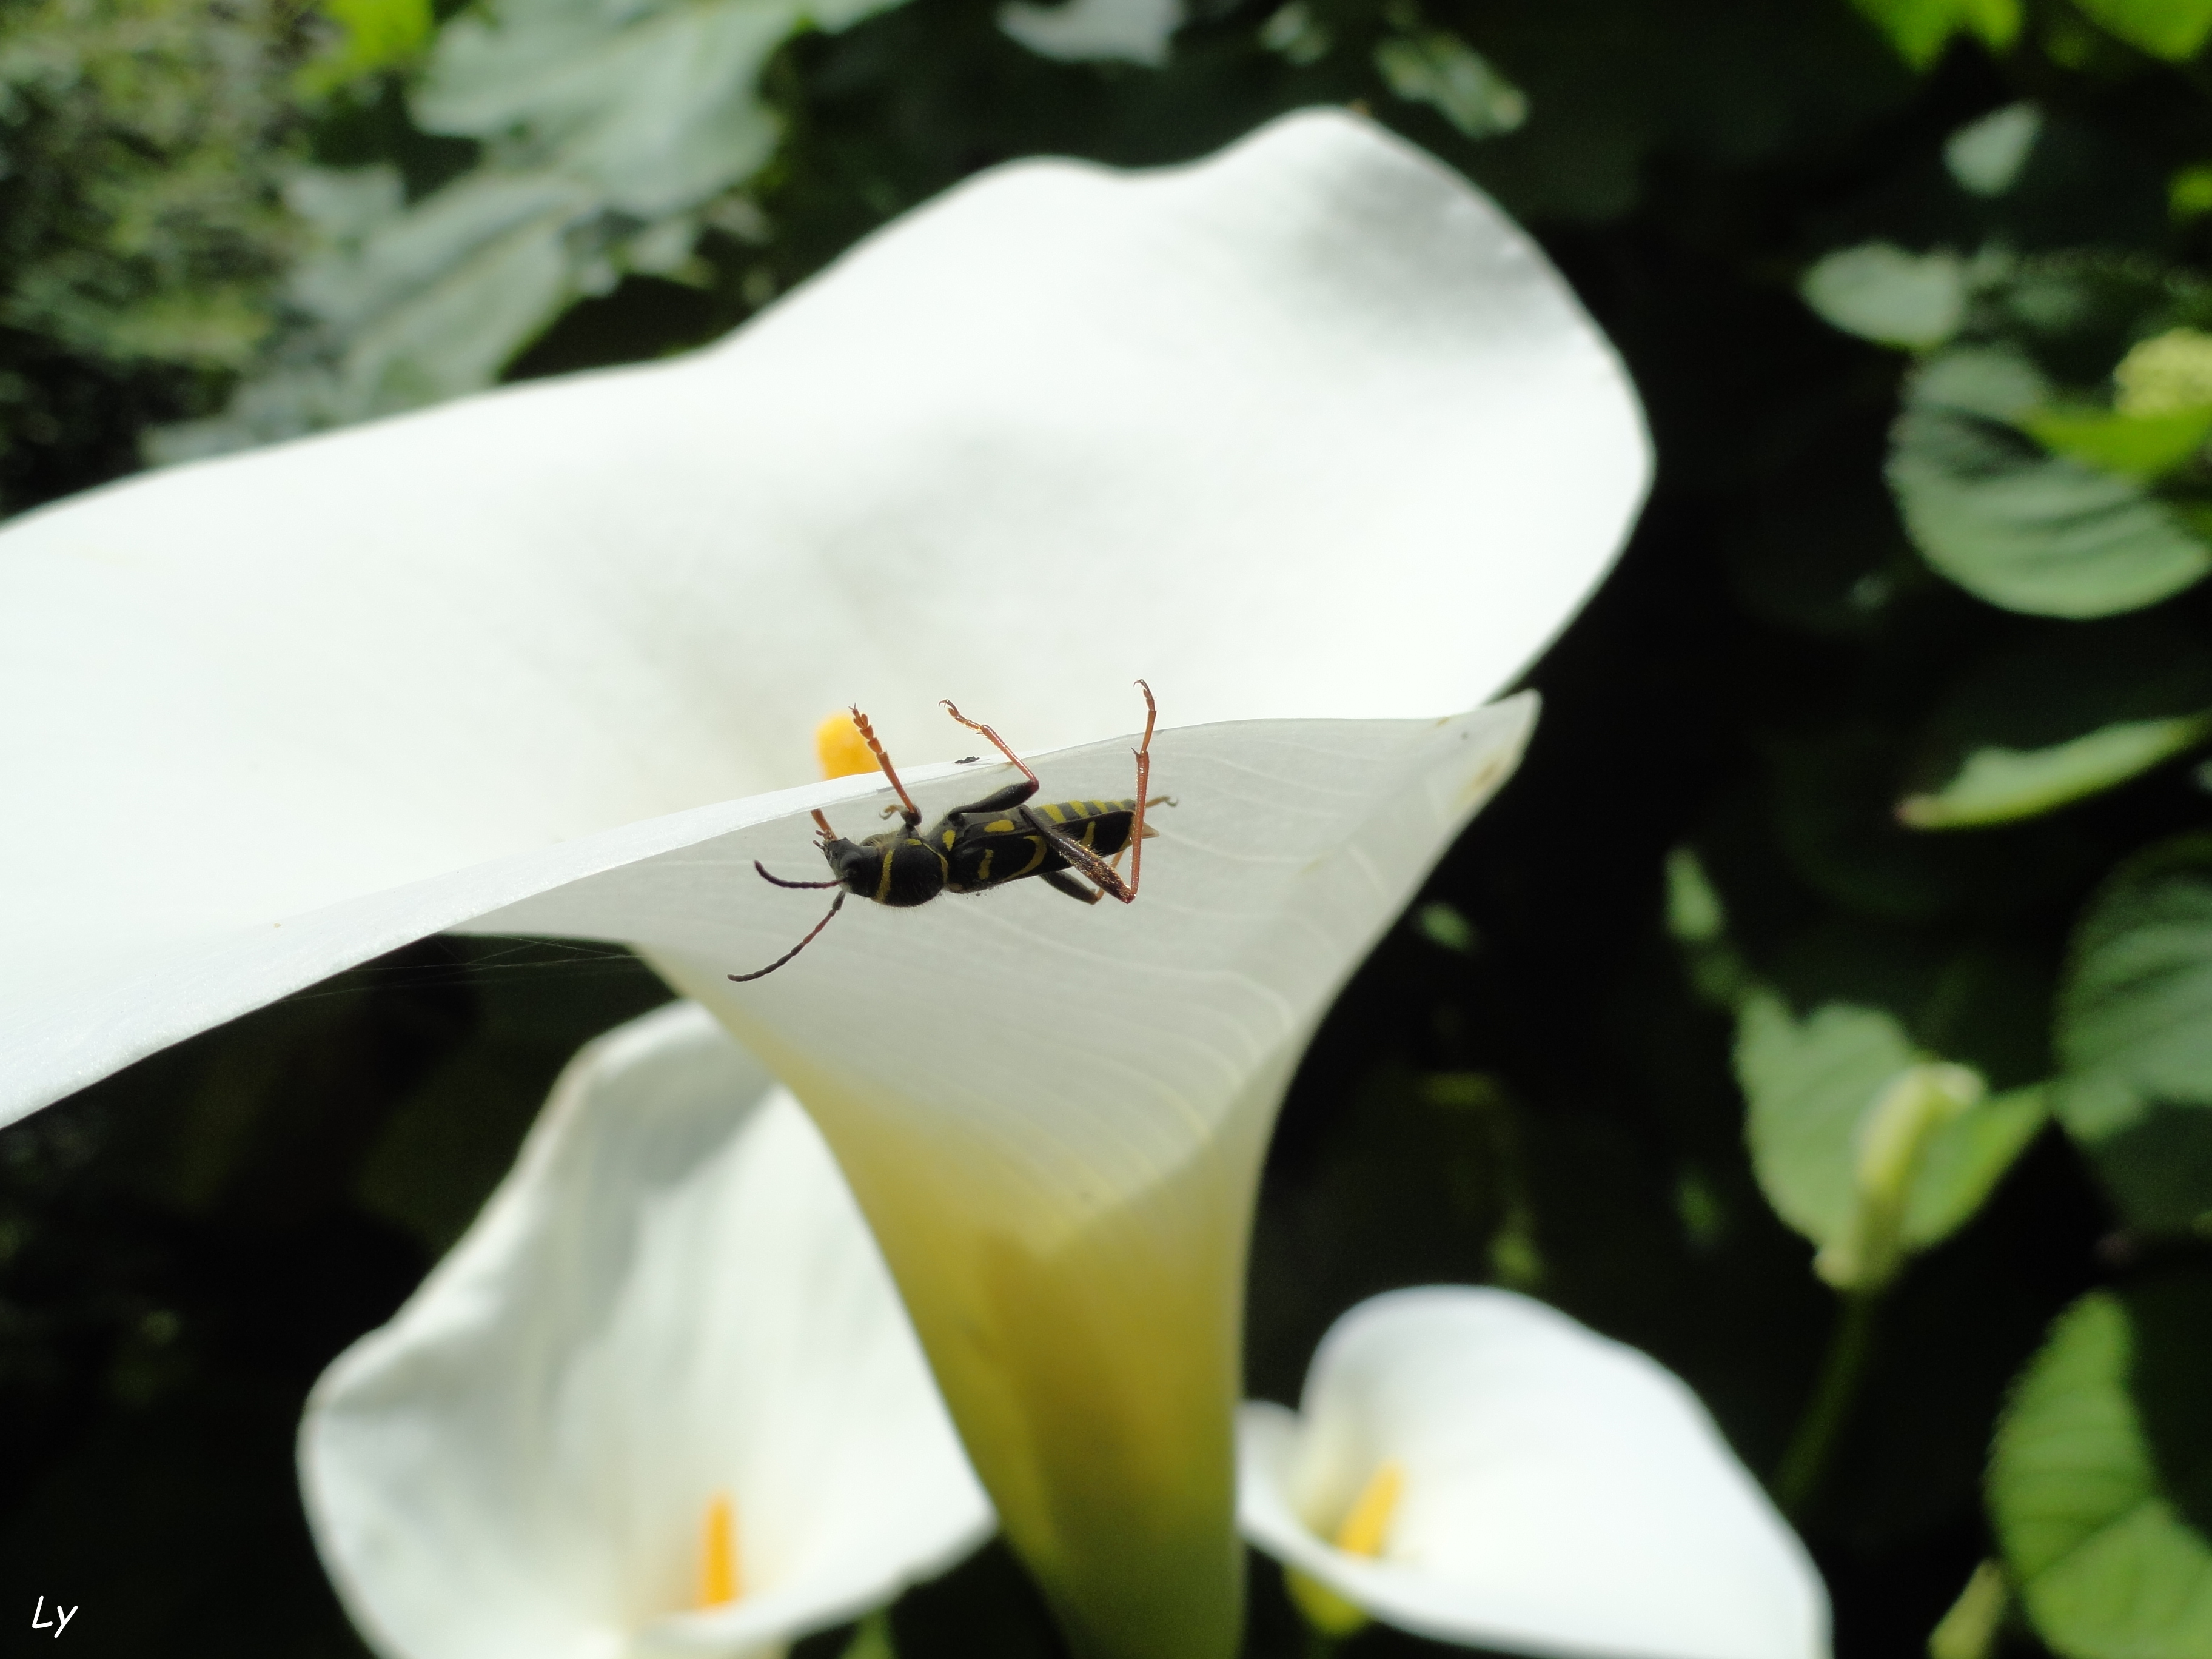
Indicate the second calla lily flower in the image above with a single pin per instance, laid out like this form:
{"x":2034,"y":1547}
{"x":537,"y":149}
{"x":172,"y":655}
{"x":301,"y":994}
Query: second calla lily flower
{"x":1307,"y":435}
{"x":661,"y":1401}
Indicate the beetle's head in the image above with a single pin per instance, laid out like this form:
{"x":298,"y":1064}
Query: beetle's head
{"x":857,"y":865}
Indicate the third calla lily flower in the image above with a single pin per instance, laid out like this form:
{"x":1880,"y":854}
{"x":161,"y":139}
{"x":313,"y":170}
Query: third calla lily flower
{"x":1308,"y":435}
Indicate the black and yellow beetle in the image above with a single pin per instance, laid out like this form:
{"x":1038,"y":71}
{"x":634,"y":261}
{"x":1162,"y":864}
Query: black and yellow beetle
{"x":985,"y":843}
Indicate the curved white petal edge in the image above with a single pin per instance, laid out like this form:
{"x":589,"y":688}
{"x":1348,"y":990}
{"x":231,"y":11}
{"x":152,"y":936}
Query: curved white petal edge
{"x":1308,"y":429}
{"x":670,"y":1299}
{"x":1564,"y":1494}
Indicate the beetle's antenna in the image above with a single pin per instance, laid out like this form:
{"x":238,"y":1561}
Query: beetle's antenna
{"x":835,"y":905}
{"x":781,"y":882}
{"x":912,"y":813}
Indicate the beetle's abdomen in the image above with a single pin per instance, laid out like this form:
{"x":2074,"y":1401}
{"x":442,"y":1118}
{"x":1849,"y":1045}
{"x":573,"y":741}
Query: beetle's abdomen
{"x":989,"y":849}
{"x":1102,"y":826}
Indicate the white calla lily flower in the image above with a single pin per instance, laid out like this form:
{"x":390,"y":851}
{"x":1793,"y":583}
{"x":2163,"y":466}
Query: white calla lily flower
{"x":1476,"y":1468}
{"x":1308,"y":435}
{"x":660,"y":1400}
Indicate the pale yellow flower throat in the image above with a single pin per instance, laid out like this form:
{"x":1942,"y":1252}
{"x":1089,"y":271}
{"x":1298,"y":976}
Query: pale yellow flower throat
{"x":1362,"y":1531}
{"x":720,"y":1583}
{"x":1367,"y":1522}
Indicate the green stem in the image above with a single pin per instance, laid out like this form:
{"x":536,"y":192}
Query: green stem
{"x":1319,"y":1645}
{"x":1799,"y":1475}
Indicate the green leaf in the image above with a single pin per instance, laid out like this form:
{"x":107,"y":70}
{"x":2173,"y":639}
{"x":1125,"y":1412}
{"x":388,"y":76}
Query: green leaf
{"x":1984,"y":157}
{"x":1859,"y":1143}
{"x":2060,"y":718}
{"x":435,"y":301}
{"x":1882,"y":293}
{"x":2134,"y":1035}
{"x":2189,"y":193}
{"x":2134,"y":445}
{"x":872,"y":1640}
{"x":1997,"y":786}
{"x":1975,"y":1624}
{"x":1810,"y":1082}
{"x":379,"y":35}
{"x":1920,"y":29}
{"x":606,"y":131}
{"x":655,"y":105}
{"x":1444,"y":72}
{"x":2172,"y":29}
{"x":2010,"y":524}
{"x":1965,"y":1160}
{"x":2100,"y":1478}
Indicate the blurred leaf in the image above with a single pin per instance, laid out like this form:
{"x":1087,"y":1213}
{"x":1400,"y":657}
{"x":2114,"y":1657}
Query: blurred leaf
{"x":1996,"y":785}
{"x":1920,"y":29}
{"x":379,"y":35}
{"x":1882,"y":293}
{"x":1695,"y":915}
{"x":140,"y":222}
{"x":2134,"y":445}
{"x":435,"y":301}
{"x":1442,"y":70}
{"x":1443,"y":923}
{"x":2025,"y":530}
{"x":1298,"y":35}
{"x":2172,"y":29}
{"x":1965,"y":1160}
{"x":2169,"y":374}
{"x":655,"y":105}
{"x":2133,"y":1034}
{"x":872,"y":1640}
{"x":1820,"y":1089}
{"x":1972,"y":1628}
{"x":605,"y":131}
{"x":1094,"y":31}
{"x":2100,"y":1479}
{"x":2059,"y":719}
{"x":2189,"y":193}
{"x":1985,"y":156}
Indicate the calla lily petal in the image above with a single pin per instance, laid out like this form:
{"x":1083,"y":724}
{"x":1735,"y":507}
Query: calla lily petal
{"x":1559,"y":1493}
{"x":1308,"y":435}
{"x":1308,"y":429}
{"x":671,"y":1303}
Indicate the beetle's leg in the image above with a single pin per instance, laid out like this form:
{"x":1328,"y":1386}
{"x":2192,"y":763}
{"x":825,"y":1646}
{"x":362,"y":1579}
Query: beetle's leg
{"x":997,"y":801}
{"x":909,"y":811}
{"x":1060,"y":882}
{"x":1144,"y":781}
{"x":1081,"y":857}
{"x":999,"y":744}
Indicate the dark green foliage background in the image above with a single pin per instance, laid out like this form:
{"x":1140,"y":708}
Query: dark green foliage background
{"x":1539,"y":1097}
